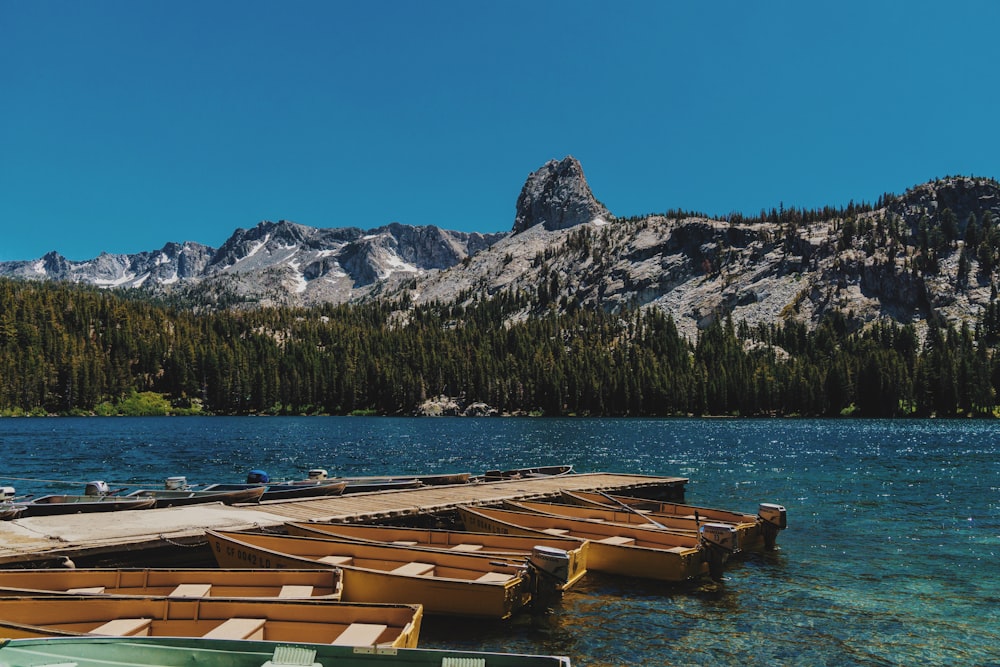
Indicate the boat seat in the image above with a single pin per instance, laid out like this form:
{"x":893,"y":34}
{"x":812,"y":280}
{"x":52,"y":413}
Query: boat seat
{"x":86,"y":590}
{"x":494,"y":576}
{"x":360,"y":634}
{"x":463,"y":662}
{"x":295,"y":591}
{"x":124,"y":627}
{"x":336,"y":560}
{"x":617,"y":539}
{"x":190,"y":591}
{"x":678,"y":550}
{"x":414,"y":569}
{"x":467,"y":547}
{"x":406,"y":543}
{"x":555,"y":531}
{"x":238,"y":628}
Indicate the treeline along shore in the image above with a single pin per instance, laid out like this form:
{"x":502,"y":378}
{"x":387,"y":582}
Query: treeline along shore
{"x":72,"y":350}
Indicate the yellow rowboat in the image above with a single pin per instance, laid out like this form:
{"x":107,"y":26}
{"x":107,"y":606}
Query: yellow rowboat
{"x":215,"y":583}
{"x":769,"y":520}
{"x":615,"y":549}
{"x":323,"y":622}
{"x":443,"y":582}
{"x":491,"y":544}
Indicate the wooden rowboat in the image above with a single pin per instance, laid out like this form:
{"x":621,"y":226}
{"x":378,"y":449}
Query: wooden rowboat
{"x":269,"y":620}
{"x":216,"y":583}
{"x":523,"y":473}
{"x":68,"y":504}
{"x":178,"y":498}
{"x":444,"y":583}
{"x":451,"y":541}
{"x":184,"y":652}
{"x":290,"y":491}
{"x":615,"y":549}
{"x":763,"y":533}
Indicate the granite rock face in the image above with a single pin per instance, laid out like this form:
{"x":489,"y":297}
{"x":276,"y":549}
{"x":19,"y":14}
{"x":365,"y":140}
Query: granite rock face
{"x":557,"y":196}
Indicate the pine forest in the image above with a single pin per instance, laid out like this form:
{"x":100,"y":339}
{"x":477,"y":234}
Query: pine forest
{"x":73,"y":350}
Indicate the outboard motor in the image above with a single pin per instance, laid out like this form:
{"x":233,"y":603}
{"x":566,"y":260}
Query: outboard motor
{"x":549,"y":571}
{"x":773,"y":519}
{"x":175,"y":483}
{"x":317,"y":474}
{"x":258,"y":477}
{"x":6,"y":494}
{"x":97,"y":488}
{"x":720,"y":541}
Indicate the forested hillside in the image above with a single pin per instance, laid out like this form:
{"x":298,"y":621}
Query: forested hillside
{"x":73,"y":350}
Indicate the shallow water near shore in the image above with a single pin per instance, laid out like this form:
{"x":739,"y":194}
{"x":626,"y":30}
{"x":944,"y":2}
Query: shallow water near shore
{"x":890,"y":557}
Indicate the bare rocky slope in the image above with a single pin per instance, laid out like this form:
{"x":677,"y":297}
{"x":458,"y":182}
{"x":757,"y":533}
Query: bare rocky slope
{"x":931,"y":252}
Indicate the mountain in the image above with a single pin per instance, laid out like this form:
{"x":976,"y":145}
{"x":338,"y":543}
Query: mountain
{"x":929,"y":253}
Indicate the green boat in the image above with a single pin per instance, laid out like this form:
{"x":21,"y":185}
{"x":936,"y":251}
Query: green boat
{"x":184,"y":652}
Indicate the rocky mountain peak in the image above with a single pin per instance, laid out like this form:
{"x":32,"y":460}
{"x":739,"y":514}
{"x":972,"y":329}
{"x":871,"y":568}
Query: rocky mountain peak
{"x":558,"y":197}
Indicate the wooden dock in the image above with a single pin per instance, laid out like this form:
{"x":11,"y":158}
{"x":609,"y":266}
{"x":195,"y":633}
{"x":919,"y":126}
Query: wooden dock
{"x":50,"y":538}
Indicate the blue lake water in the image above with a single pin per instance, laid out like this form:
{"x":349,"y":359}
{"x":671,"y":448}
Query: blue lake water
{"x":890,"y":557}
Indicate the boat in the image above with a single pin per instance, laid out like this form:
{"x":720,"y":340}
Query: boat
{"x":614,"y":549}
{"x":388,"y":625}
{"x":451,"y":541}
{"x":183,"y":652}
{"x":444,"y":583}
{"x":284,"y":491}
{"x":179,"y":497}
{"x":72,"y":504}
{"x":769,"y":520}
{"x":524,"y":473}
{"x":427,"y":480}
{"x":179,"y":582}
{"x":10,"y":511}
{"x":623,"y":514}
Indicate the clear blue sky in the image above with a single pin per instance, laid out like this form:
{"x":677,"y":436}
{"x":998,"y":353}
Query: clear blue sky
{"x":128,"y":124}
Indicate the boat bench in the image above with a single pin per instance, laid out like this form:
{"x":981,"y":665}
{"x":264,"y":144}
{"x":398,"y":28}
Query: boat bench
{"x":87,"y":590}
{"x":555,"y":531}
{"x":335,"y":560}
{"x":617,"y":539}
{"x":360,"y":634}
{"x":238,"y":628}
{"x":124,"y":627}
{"x":494,"y":576}
{"x":467,"y":547}
{"x":295,"y":591}
{"x":405,"y":543}
{"x":190,"y":591}
{"x":414,"y":569}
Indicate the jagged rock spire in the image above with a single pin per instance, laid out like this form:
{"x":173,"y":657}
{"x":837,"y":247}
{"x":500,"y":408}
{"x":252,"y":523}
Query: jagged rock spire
{"x":557,"y":195}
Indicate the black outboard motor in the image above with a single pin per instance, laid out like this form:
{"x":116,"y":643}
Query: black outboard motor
{"x":258,"y":477}
{"x":773,"y":519}
{"x":720,"y":541}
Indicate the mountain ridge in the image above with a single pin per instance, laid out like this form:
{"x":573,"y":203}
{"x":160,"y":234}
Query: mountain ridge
{"x":931,"y":252}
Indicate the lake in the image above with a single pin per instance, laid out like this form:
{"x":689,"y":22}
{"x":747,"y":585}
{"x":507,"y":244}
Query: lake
{"x":889,"y":557}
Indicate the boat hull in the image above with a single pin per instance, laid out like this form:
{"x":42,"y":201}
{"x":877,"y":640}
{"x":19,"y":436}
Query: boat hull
{"x":450,"y":541}
{"x":619,"y":550}
{"x":273,"y":620}
{"x":56,"y":505}
{"x":184,"y":652}
{"x":748,"y":526}
{"x":171,"y":498}
{"x":455,"y":584}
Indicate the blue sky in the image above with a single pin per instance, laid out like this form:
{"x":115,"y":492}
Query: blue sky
{"x":125,"y":125}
